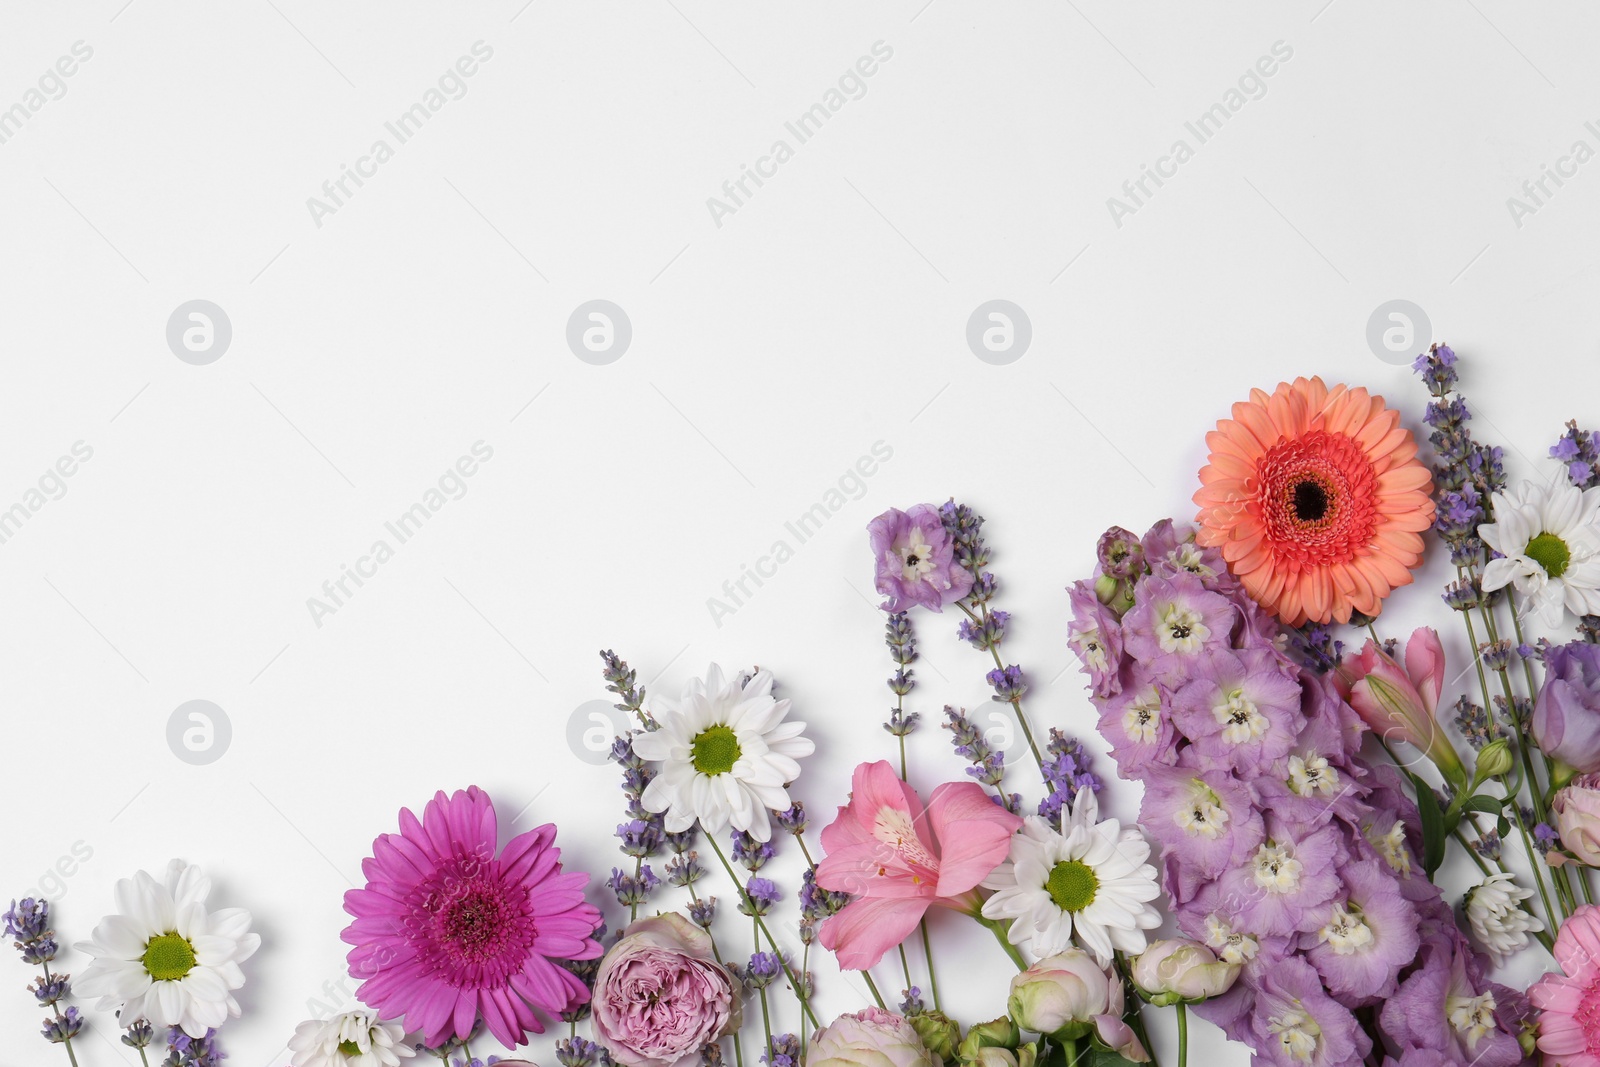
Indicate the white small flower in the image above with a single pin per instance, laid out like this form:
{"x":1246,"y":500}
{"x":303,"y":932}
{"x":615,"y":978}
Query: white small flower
{"x":164,"y":958}
{"x":1091,"y":878}
{"x":354,"y":1039}
{"x":1548,"y":538}
{"x":726,"y":755}
{"x":1495,"y":914}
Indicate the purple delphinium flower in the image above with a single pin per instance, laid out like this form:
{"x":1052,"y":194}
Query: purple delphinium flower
{"x":1206,"y":820}
{"x":1240,"y":710}
{"x":915,"y":559}
{"x":1370,"y":935}
{"x":1287,"y":885}
{"x":1297,"y":1024}
{"x":1439,"y":1007}
{"x":1137,"y":724}
{"x":1120,"y":553}
{"x":1173,"y":621}
{"x":1096,"y":638}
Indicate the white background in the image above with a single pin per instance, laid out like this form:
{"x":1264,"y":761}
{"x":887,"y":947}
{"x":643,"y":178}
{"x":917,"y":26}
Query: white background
{"x":768,"y":353}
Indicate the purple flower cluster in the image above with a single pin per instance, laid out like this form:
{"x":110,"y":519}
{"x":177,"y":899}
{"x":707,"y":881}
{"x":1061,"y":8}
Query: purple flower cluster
{"x":186,"y":1051}
{"x":643,"y":835}
{"x":1465,"y":473}
{"x":28,"y":924}
{"x":1580,"y":454}
{"x":1066,"y":771}
{"x":1282,"y":850}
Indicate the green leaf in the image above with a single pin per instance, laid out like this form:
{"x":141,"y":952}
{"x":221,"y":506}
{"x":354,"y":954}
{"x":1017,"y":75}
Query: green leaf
{"x":1105,"y":1058}
{"x":1434,"y":831}
{"x":1483,"y":802}
{"x":1503,"y":827}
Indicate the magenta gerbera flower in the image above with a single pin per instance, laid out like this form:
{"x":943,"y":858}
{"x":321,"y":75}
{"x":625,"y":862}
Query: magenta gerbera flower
{"x":446,"y":932}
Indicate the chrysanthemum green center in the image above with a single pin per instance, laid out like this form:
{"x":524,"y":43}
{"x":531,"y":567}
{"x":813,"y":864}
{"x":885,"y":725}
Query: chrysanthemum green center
{"x":349,"y":1048}
{"x":1072,"y":885}
{"x":168,"y":957}
{"x":1549,"y":552}
{"x":715,"y":751}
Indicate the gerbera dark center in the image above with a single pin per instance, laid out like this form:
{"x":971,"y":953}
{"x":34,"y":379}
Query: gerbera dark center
{"x":1549,"y":552}
{"x":1072,"y":885}
{"x":715,"y":750}
{"x":1310,"y":502}
{"x":168,"y":957}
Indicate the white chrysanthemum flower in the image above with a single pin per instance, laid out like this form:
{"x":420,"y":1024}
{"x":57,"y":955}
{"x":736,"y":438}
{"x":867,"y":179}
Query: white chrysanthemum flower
{"x":164,"y":958}
{"x":1548,"y":538}
{"x":726,"y":755}
{"x":1499,"y":924}
{"x":354,"y":1039}
{"x":1091,"y":878}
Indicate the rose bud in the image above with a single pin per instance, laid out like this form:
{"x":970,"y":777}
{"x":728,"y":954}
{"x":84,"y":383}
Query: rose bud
{"x":1061,"y":995}
{"x":871,"y":1037}
{"x":1179,"y":970}
{"x":1577,"y":813}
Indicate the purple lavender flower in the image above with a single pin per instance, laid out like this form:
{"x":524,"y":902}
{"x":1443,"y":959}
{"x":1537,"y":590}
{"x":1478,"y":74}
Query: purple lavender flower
{"x":751,"y":853}
{"x":1066,"y":771}
{"x":640,"y":837}
{"x":580,"y":1052}
{"x":793,"y":819}
{"x":63,"y":1027}
{"x":785,"y":1051}
{"x":760,"y":894}
{"x":915,"y":559}
{"x":703,"y":912}
{"x":684,"y":869}
{"x":29,"y":920}
{"x":632,"y":890}
{"x":987,"y":632}
{"x":139,"y":1035}
{"x":762,"y":969}
{"x":1008,"y":683}
{"x":1577,"y":452}
{"x":186,"y":1051}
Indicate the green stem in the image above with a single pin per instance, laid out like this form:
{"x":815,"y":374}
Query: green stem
{"x":1183,"y":1035}
{"x":905,"y":966}
{"x":999,"y":930}
{"x":806,"y":852}
{"x":788,"y":973}
{"x":927,"y":950}
{"x":633,"y":909}
{"x":874,"y":987}
{"x":805,"y":966}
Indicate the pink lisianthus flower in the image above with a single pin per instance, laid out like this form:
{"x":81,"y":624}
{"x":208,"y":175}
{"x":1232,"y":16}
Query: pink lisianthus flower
{"x":899,"y":859}
{"x":1398,"y":703}
{"x":1569,"y":1029}
{"x":660,"y":996}
{"x":915,"y":558}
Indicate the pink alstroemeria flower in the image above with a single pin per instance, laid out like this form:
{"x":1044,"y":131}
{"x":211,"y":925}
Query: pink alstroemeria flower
{"x":899,"y":859}
{"x":1398,"y":703}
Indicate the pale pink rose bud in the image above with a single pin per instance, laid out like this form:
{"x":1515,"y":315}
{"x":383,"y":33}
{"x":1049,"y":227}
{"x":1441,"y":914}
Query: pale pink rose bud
{"x":1178,"y":969}
{"x":871,"y":1037}
{"x":1577,"y":814}
{"x":1060,"y":995}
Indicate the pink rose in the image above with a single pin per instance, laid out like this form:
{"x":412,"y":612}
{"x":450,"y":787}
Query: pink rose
{"x":869,"y":1038}
{"x":660,"y":996}
{"x":1577,"y":812}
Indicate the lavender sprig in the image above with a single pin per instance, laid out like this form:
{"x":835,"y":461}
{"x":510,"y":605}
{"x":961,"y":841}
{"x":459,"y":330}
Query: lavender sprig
{"x":28,"y":923}
{"x":620,"y":680}
{"x":1066,"y":771}
{"x":988,"y":764}
{"x":984,"y":627}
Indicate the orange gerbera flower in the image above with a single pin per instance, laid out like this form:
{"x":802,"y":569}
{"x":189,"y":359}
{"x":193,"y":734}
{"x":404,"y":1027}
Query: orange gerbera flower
{"x":1316,"y":499}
